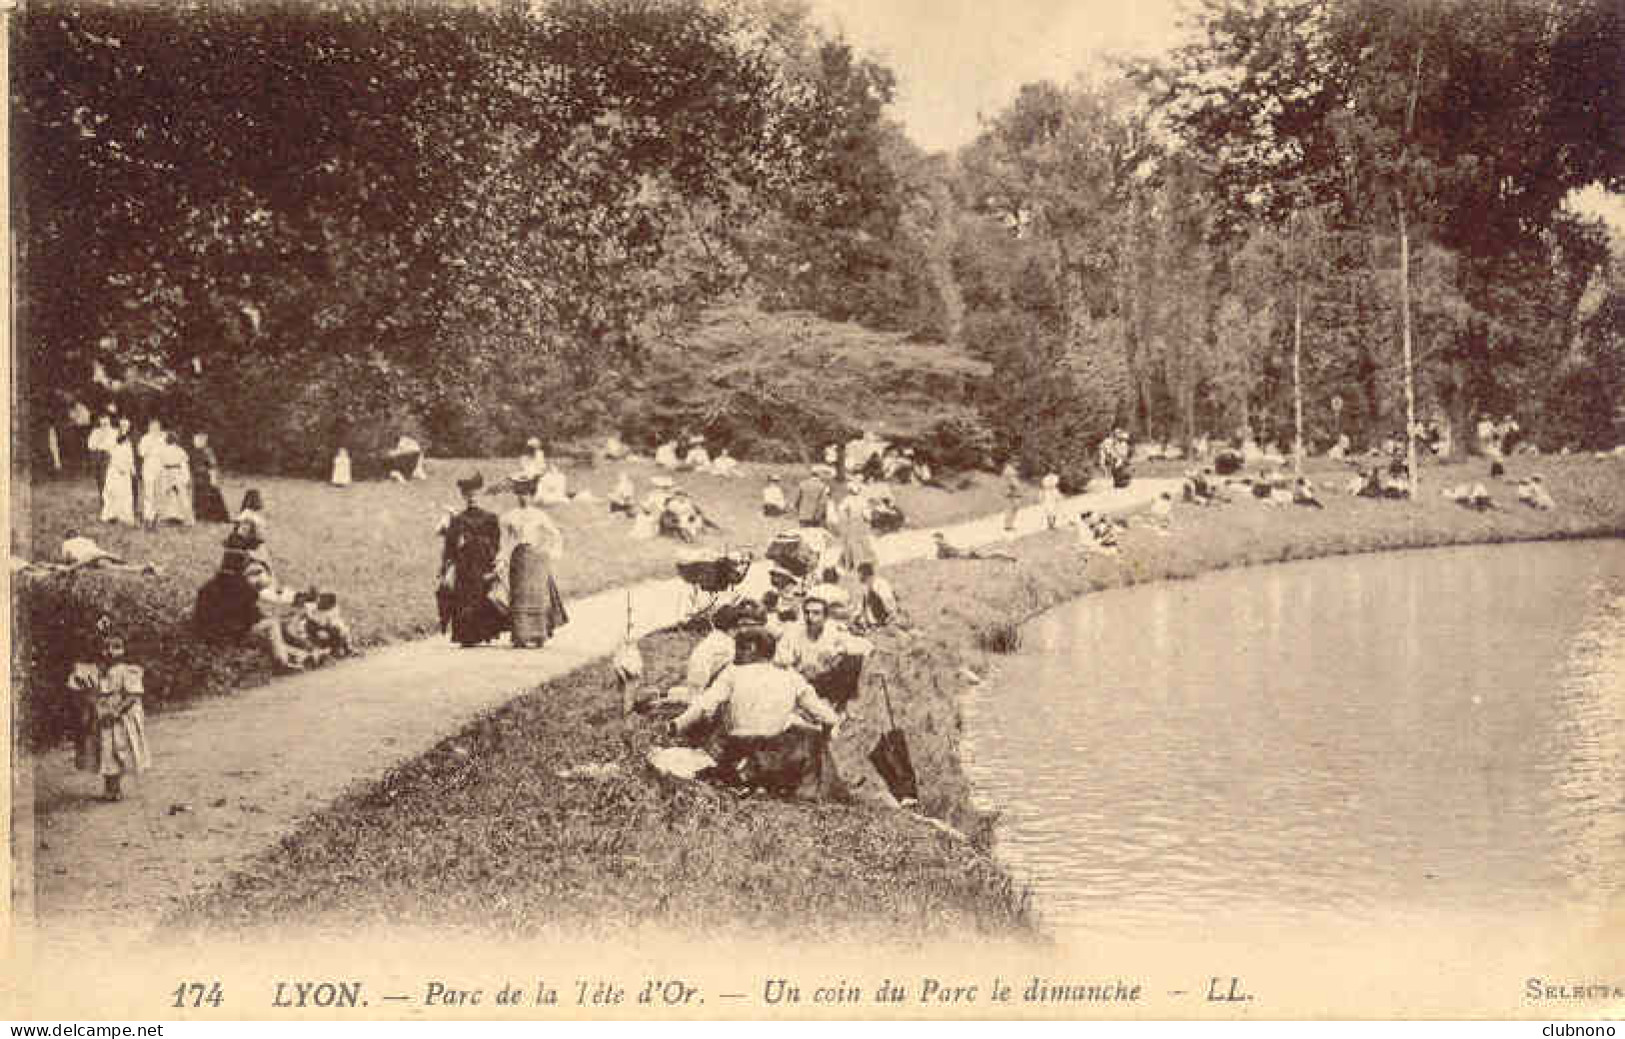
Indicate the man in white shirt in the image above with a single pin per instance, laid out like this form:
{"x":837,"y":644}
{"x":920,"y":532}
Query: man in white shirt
{"x":822,"y":651}
{"x":774,"y":723}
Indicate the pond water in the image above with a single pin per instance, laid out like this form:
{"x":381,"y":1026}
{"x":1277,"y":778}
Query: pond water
{"x":1336,"y":739}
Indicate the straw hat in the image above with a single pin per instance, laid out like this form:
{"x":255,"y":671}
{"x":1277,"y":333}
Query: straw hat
{"x":665,"y":483}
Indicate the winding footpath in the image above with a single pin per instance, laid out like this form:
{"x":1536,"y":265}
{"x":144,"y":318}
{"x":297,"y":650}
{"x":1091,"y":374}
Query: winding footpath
{"x":233,"y":775}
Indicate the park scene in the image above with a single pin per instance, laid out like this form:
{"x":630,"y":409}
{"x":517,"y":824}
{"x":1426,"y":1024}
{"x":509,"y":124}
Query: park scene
{"x":586,"y":468}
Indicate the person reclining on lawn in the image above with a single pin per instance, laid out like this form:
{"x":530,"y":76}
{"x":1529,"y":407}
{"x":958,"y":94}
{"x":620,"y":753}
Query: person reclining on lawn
{"x":822,"y":651}
{"x":1532,"y":492}
{"x":775,"y":726}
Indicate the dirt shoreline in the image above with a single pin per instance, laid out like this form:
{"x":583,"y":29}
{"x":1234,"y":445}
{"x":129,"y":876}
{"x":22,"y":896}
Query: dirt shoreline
{"x":745,"y":862}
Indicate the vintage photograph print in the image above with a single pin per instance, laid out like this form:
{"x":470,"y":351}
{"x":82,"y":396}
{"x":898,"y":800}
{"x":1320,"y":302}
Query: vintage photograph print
{"x":884,"y":509}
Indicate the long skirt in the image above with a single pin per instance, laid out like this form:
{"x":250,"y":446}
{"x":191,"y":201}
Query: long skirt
{"x":477,"y":612}
{"x":534,"y":600}
{"x":115,"y":746}
{"x":857,"y":544}
{"x":174,"y":504}
{"x":208,"y":504}
{"x":118,"y":497}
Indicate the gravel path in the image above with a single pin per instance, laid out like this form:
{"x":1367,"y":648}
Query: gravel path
{"x":232,"y":775}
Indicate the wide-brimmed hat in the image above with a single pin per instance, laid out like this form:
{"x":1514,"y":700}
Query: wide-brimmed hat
{"x":533,"y":443}
{"x":470,"y":484}
{"x":663,"y":482}
{"x":1051,"y":480}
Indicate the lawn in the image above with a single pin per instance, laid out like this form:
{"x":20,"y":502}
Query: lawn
{"x":484,"y":821}
{"x":373,"y":543}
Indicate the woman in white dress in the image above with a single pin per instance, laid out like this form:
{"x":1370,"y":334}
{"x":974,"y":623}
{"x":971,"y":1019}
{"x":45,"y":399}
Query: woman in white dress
{"x":533,"y":541}
{"x":174,"y":483}
{"x":118,"y":487}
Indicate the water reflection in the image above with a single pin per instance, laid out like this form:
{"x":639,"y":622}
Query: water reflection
{"x":1417,"y":731}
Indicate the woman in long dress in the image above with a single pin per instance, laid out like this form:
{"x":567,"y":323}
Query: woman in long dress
{"x":468,"y":558}
{"x":857,"y":539}
{"x":341,"y":467}
{"x":208,"y":501}
{"x":118,"y":486}
{"x":174,"y":483}
{"x":534,"y":541}
{"x":113,"y":741}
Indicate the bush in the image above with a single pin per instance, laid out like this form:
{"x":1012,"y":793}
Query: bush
{"x":56,"y":627}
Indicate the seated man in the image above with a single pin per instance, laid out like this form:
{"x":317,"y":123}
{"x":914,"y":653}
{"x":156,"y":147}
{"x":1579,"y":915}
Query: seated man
{"x":329,"y":631}
{"x":877,"y":601}
{"x":698,"y":458}
{"x":884,"y":515}
{"x":406,"y":460}
{"x":710,"y":657}
{"x":552,"y":488}
{"x":725,"y":464}
{"x":775,"y":725}
{"x":623,"y":497}
{"x":823,"y":652}
{"x":1303,"y":493}
{"x":773,"y":503}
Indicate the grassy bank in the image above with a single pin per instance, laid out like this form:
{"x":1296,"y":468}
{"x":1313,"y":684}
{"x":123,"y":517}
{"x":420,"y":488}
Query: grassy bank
{"x":374,"y":543}
{"x":482,"y":833}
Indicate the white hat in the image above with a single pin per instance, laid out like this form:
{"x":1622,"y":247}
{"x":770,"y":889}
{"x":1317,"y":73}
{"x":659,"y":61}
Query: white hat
{"x":663,"y":482}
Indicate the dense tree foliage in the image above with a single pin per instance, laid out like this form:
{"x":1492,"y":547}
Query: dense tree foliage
{"x":306,"y":222}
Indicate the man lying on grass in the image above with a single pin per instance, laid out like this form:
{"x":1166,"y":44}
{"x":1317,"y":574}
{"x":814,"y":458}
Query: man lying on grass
{"x":775,"y":725}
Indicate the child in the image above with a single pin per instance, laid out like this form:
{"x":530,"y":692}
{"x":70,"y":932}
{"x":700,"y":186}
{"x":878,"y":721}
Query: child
{"x":341,"y":467}
{"x":1050,"y":499}
{"x":328,"y":628}
{"x":114,"y":739}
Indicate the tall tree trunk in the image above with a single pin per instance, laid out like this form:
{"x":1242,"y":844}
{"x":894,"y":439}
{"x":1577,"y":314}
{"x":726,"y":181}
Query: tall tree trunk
{"x":1405,"y":339}
{"x":1297,"y":378}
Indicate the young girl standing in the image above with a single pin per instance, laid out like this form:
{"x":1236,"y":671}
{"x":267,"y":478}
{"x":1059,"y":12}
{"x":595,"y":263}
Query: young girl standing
{"x":114,"y":741}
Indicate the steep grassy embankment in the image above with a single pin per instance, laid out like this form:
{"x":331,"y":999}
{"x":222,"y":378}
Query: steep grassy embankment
{"x":483,"y":834}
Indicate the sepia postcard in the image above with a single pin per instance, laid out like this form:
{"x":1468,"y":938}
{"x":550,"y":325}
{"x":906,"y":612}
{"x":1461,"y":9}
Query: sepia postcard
{"x":815,"y":509}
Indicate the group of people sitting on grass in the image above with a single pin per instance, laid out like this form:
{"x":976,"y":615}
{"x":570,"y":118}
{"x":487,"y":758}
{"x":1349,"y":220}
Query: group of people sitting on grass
{"x":764,"y":694}
{"x":244,"y":602}
{"x":1530,"y":490}
{"x":689,"y":454}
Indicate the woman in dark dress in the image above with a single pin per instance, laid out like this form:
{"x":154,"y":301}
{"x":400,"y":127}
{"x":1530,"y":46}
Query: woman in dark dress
{"x":468,"y":574}
{"x":208,"y":503}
